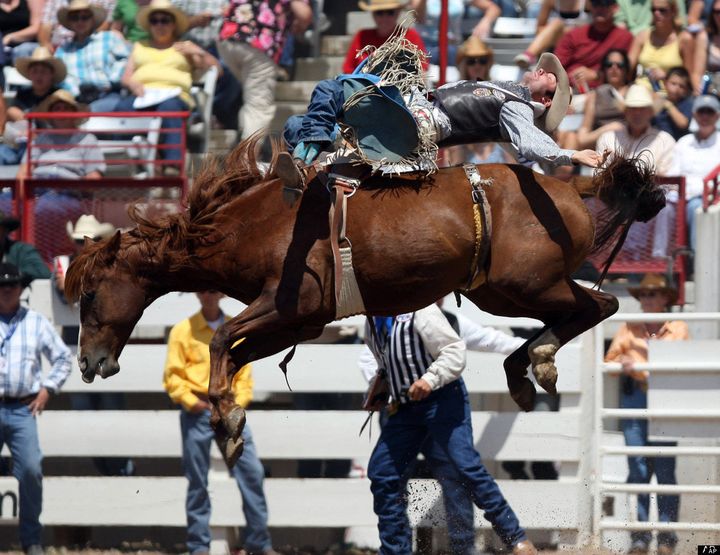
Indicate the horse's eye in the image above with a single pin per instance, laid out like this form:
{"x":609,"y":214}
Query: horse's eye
{"x":88,"y":296}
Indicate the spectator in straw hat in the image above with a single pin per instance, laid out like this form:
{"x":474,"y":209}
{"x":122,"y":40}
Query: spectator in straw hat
{"x":474,"y":60}
{"x":22,"y":255}
{"x":51,"y":34}
{"x":385,"y":14}
{"x":95,"y":59}
{"x":66,"y":155}
{"x":628,"y":347}
{"x":163,"y":67}
{"x":45,"y":73}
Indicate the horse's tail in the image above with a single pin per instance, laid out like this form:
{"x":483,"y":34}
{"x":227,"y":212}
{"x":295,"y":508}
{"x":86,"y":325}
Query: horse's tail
{"x":627,"y":188}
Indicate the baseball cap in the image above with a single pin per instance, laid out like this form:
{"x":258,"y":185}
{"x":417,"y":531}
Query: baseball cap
{"x":706,"y":101}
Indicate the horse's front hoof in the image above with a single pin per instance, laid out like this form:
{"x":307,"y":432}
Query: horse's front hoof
{"x":235,"y":422}
{"x":523,"y":393}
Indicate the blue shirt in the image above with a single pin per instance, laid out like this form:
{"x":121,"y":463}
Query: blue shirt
{"x":99,"y":60}
{"x":22,"y":340}
{"x":665,"y":123}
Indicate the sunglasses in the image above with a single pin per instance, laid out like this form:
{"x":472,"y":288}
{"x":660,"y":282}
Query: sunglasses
{"x":161,"y":20}
{"x":385,"y":13}
{"x":619,"y":65}
{"x":483,"y":60}
{"x":648,"y":294}
{"x":716,"y":12}
{"x":662,"y":11}
{"x":82,"y":16}
{"x":9,"y":284}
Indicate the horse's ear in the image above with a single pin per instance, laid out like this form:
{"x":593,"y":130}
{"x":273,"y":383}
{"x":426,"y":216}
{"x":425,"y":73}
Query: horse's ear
{"x":111,"y":249}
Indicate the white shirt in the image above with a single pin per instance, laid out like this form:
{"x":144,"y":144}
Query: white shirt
{"x":694,"y":159}
{"x":654,"y":146}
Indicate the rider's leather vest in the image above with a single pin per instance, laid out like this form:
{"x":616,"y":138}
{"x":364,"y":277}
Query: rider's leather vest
{"x":473,"y":108}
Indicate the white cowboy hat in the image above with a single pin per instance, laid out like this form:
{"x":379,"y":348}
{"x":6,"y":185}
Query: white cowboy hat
{"x":563,"y":94}
{"x":638,"y":96}
{"x":182,"y":23}
{"x":99,"y":13}
{"x":42,"y":55}
{"x":89,"y":226}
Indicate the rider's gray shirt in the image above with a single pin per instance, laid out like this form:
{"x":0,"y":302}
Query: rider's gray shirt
{"x":516,"y":121}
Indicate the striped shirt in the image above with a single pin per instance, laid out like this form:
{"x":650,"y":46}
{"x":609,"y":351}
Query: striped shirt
{"x":22,"y":341}
{"x":421,"y":344}
{"x":99,"y":60}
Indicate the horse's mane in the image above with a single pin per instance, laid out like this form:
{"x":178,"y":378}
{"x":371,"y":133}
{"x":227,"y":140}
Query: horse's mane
{"x":219,"y":181}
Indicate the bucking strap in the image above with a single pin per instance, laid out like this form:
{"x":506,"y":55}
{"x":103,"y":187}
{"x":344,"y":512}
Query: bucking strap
{"x":483,"y":224}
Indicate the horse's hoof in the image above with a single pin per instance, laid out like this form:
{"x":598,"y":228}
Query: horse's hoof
{"x":232,"y":451}
{"x":524,"y":394}
{"x":546,"y":376}
{"x":235,"y":422}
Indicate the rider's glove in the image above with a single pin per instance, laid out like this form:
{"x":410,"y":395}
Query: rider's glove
{"x":306,"y":152}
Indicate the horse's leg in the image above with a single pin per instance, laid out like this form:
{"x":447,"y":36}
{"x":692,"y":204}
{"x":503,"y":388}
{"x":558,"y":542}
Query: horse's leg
{"x":263,"y":332}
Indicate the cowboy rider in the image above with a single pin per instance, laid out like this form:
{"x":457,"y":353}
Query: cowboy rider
{"x":462,"y":112}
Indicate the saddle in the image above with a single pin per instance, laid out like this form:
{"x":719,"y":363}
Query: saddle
{"x":344,"y":179}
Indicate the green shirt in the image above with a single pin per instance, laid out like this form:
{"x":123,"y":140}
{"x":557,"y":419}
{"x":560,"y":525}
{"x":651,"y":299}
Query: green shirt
{"x":125,"y":11}
{"x":637,"y":16}
{"x":26,"y":258}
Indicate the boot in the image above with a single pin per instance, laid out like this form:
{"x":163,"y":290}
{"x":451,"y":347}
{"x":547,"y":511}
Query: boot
{"x":291,"y":175}
{"x":524,"y":547}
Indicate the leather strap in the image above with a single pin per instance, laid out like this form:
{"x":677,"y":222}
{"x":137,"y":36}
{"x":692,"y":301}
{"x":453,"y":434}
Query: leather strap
{"x":483,"y":224}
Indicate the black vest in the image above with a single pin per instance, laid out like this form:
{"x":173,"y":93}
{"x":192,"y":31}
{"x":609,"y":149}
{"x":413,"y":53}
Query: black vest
{"x":473,"y":108}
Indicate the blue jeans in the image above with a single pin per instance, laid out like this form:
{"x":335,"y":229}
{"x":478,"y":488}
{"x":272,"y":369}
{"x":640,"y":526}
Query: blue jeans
{"x":197,"y":436}
{"x":108,"y":102}
{"x":642,"y":468}
{"x":18,"y":430}
{"x":445,"y":417}
{"x":174,"y":104}
{"x":319,"y":124}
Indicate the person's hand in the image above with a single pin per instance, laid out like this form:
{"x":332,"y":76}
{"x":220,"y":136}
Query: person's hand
{"x":188,"y":48}
{"x":136,"y":88}
{"x":37,"y":405}
{"x":306,"y":152}
{"x":584,"y":74}
{"x":656,"y":74}
{"x":201,"y":20}
{"x":589,"y":158}
{"x":419,"y":390}
{"x":482,"y":30}
{"x":7,"y":39}
{"x":627,"y":364}
{"x":200,"y":406}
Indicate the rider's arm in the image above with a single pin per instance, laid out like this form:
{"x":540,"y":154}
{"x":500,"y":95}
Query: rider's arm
{"x":516,"y":123}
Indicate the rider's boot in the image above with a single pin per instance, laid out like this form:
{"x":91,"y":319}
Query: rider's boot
{"x":292,"y":176}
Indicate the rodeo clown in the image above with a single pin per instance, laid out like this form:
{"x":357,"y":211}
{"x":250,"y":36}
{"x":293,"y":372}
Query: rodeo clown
{"x":393,"y":124}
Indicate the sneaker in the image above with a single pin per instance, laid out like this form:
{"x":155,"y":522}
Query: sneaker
{"x":524,"y":60}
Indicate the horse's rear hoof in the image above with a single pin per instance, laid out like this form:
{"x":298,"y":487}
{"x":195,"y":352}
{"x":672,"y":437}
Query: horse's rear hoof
{"x":524,"y":394}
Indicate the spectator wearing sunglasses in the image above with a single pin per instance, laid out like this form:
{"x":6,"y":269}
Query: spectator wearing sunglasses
{"x":582,"y":49}
{"x":95,"y":59}
{"x":474,"y":60}
{"x":51,"y":34}
{"x":159,"y":73}
{"x":604,"y":105}
{"x":663,"y":46}
{"x":386,"y":14}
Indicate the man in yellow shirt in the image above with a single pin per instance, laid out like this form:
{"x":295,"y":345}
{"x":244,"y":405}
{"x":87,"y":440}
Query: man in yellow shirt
{"x":187,"y":374}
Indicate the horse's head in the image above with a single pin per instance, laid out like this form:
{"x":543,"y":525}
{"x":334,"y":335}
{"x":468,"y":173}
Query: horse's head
{"x":112,"y":298}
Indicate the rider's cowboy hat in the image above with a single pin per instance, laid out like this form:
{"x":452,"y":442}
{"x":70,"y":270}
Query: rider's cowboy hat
{"x":99,"y":13}
{"x":474,"y":48}
{"x":561,"y":99}
{"x":655,"y":282}
{"x":182,"y":23}
{"x":61,"y":95}
{"x":376,"y":5}
{"x":42,"y":55}
{"x":10,"y":223}
{"x":89,"y":226}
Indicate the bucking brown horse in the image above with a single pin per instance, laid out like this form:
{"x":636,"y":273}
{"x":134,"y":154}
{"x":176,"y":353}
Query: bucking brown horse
{"x":413,"y":241}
